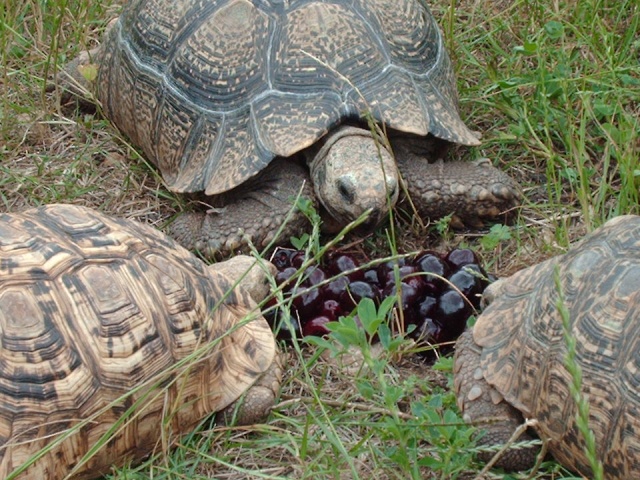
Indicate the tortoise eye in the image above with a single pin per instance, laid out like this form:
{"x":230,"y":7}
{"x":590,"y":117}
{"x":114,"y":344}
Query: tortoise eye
{"x":346,"y":189}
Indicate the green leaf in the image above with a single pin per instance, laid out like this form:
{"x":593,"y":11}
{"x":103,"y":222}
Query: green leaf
{"x":529,"y":48}
{"x":347,"y":332}
{"x":570,"y":174}
{"x":603,"y":109}
{"x":498,"y":233}
{"x":89,"y":72}
{"x":418,"y":409}
{"x":386,"y":305}
{"x":300,"y":243}
{"x":628,"y":80}
{"x":442,"y":224}
{"x":368,"y":316}
{"x":554,"y":29}
{"x":435,"y":401}
{"x":320,"y":342}
{"x":384,"y":336}
{"x":431,"y":462}
{"x":393,"y":394}
{"x":443,"y":364}
{"x":366,"y":389}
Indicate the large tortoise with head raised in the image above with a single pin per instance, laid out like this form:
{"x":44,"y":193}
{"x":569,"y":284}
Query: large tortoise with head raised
{"x":513,"y":363}
{"x":221,"y":95}
{"x":104,"y":321}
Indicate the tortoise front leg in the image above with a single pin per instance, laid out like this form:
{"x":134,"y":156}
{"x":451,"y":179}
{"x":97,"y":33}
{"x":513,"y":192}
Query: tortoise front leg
{"x":482,"y":404}
{"x":255,"y":404}
{"x":472,"y":191}
{"x":253,"y":212}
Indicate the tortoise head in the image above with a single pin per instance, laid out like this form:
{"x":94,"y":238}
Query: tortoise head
{"x":353,"y":172}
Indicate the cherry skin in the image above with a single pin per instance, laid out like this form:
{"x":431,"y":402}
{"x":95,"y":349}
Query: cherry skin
{"x":459,"y":257}
{"x":430,"y":262}
{"x":435,"y":268}
{"x":408,"y":295}
{"x":314,"y":275}
{"x":355,"y":292}
{"x":427,"y":307}
{"x":307,"y":303}
{"x":317,"y":326}
{"x":371,"y":277}
{"x":452,"y":313}
{"x":281,"y":258}
{"x":386,"y":267}
{"x":285,"y":274}
{"x":403,"y":272}
{"x":343,"y":262}
{"x":465,"y":282}
{"x":428,"y":331}
{"x":331,"y":309}
{"x":298,"y":258}
{"x":286,"y":326}
{"x":335,"y":288}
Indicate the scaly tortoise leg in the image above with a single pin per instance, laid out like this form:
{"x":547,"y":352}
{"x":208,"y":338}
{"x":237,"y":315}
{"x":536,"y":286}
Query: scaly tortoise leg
{"x":254,"y":211}
{"x":256,"y":403}
{"x":472,"y":191}
{"x":482,"y":404}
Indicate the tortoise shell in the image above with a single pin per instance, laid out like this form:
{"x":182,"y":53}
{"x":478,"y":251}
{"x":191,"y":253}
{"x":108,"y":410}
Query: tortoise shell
{"x":212,"y":91}
{"x":96,"y":314}
{"x":524,"y":349}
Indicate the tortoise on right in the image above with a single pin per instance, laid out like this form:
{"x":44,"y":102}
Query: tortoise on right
{"x":512,"y":364}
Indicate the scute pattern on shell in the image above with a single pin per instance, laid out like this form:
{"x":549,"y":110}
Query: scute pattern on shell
{"x":523,"y":349}
{"x":213,"y":91}
{"x":93,"y":309}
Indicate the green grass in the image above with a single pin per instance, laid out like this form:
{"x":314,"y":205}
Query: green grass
{"x":565,"y":89}
{"x":555,"y":88}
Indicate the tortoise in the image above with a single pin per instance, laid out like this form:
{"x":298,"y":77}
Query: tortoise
{"x":222,"y":96}
{"x":105,"y":319}
{"x":513,"y":363}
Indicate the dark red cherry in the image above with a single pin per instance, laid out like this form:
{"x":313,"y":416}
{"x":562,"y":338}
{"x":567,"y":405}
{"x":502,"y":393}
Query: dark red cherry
{"x":469,"y":280}
{"x":314,"y":275}
{"x":403,"y":272}
{"x":343,"y":262}
{"x":298,"y":258}
{"x":408,"y":294}
{"x":281,"y":257}
{"x":331,"y":309}
{"x":307,"y":303}
{"x":478,"y":272}
{"x":355,"y":292}
{"x":460,"y":256}
{"x":465,"y":281}
{"x":427,"y":307}
{"x":285,"y":275}
{"x":452,"y":313}
{"x":417,"y":281}
{"x":431,"y":263}
{"x":316,"y":326}
{"x":386,"y":267}
{"x":371,"y":277}
{"x":428,"y":331}
{"x":335,"y":288}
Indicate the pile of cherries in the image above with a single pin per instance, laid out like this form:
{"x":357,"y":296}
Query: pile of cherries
{"x":437,"y":293}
